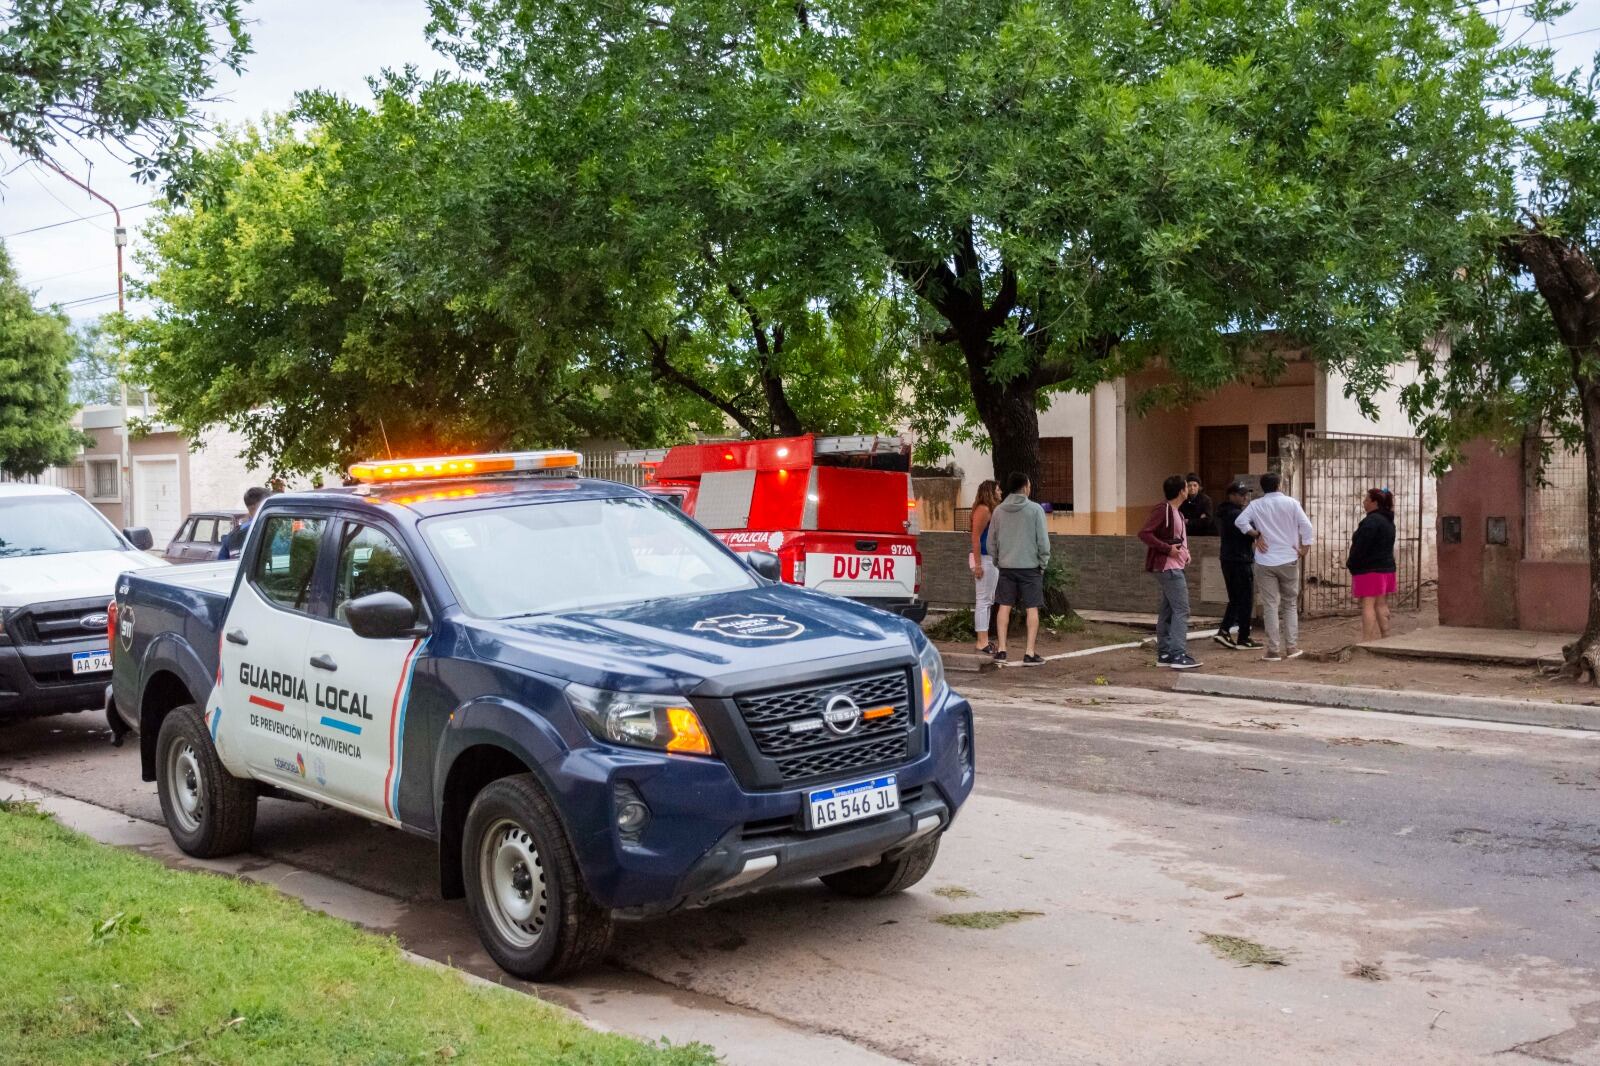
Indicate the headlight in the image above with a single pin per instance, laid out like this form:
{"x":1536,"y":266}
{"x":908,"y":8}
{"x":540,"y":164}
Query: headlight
{"x":933,"y":686}
{"x":665,"y":723}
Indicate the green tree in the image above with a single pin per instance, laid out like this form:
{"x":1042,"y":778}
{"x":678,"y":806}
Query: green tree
{"x":35,"y":411}
{"x":724,"y":301}
{"x":126,"y":71}
{"x":1526,"y":351}
{"x":96,"y":364}
{"x":347,"y":290}
{"x":1068,"y":191}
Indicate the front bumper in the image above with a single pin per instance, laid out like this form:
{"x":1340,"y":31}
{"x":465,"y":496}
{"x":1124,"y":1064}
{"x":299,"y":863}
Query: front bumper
{"x":38,"y":680}
{"x":708,"y":837}
{"x":911,"y":610}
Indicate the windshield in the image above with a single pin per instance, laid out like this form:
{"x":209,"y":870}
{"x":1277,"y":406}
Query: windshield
{"x":543,"y":558}
{"x":49,"y":525}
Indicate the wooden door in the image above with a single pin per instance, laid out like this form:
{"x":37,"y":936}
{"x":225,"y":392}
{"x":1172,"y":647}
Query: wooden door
{"x":1224,"y":456}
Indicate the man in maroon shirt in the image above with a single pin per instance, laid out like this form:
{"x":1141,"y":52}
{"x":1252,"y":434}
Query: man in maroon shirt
{"x":1166,"y":554}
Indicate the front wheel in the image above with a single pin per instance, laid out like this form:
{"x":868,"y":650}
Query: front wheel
{"x":886,"y":876}
{"x":524,"y":892}
{"x":209,"y":812}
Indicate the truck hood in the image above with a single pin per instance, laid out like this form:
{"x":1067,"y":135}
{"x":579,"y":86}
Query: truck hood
{"x":66,"y":575}
{"x":676,"y":644}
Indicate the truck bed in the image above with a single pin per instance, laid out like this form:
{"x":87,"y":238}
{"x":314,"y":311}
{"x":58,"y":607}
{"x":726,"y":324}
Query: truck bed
{"x":184,"y":606}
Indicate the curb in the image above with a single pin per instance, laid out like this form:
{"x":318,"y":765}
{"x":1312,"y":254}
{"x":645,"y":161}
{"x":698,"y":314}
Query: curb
{"x":1478,"y":708}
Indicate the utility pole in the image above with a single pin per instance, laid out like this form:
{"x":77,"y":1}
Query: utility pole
{"x":120,"y":236}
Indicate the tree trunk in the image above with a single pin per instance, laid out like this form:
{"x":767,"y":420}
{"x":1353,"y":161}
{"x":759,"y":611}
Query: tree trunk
{"x":1582,"y":659}
{"x":1566,"y":276}
{"x":1011,"y":415}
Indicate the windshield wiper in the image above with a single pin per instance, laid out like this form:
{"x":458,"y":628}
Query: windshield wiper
{"x":24,"y":551}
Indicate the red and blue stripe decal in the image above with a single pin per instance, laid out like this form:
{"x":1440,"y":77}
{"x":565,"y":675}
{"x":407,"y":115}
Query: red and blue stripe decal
{"x":397,"y":727}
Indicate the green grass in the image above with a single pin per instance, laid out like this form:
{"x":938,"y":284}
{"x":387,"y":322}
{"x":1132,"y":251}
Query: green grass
{"x":985,"y":919}
{"x":1244,"y":952}
{"x":955,"y":892}
{"x":110,"y":957}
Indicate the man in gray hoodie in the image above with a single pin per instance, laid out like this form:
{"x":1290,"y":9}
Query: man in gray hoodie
{"x":1020,"y":544}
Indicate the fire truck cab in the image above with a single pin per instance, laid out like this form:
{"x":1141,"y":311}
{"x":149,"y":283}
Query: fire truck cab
{"x":839,"y":512}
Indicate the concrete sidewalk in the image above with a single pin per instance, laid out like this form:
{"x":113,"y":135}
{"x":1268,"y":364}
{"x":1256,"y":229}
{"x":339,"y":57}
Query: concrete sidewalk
{"x":1396,"y":701}
{"x":1505,"y":647}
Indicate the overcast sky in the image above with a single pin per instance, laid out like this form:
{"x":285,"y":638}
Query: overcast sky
{"x":298,"y":44}
{"x":305,"y":44}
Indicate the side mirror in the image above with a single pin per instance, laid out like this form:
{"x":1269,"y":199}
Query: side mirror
{"x":381,"y":615}
{"x":766,"y":564}
{"x":139,"y":537}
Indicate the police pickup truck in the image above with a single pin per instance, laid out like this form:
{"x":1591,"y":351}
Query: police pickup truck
{"x":594,"y":707}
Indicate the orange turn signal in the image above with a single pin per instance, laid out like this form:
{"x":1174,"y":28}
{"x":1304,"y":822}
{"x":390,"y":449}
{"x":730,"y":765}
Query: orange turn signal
{"x":877,"y":712}
{"x":688,"y":735}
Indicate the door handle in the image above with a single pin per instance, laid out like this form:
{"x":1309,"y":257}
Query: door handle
{"x":324,"y":662}
{"x":238,"y":637}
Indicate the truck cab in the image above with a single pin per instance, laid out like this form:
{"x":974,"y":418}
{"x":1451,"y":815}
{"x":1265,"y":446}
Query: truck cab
{"x":594,"y":707}
{"x":839,"y":512}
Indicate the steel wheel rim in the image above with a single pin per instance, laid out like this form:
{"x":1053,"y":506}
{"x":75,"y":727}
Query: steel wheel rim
{"x":512,"y":877}
{"x":187,"y":785}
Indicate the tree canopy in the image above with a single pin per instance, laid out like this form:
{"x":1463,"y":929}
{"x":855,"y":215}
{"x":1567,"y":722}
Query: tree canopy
{"x":128,"y":73}
{"x":35,"y":411}
{"x":1064,"y":191}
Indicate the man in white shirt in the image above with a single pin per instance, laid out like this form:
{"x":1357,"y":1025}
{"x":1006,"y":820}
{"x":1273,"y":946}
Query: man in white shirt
{"x":1281,"y":531}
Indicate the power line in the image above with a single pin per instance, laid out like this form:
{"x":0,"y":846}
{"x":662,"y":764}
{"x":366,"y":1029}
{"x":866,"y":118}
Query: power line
{"x":70,"y":221}
{"x":50,"y":193}
{"x":89,"y":299}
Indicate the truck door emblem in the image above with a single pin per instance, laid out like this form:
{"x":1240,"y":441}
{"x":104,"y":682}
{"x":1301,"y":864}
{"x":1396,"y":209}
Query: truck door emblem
{"x":841,"y":714}
{"x":751,"y":626}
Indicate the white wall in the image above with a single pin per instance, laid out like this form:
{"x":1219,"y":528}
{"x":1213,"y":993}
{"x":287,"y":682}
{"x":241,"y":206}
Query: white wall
{"x":218,"y":476}
{"x":1067,"y":416}
{"x":1338,"y":413}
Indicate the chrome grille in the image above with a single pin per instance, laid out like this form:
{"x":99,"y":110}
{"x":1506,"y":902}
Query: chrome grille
{"x":818,"y":752}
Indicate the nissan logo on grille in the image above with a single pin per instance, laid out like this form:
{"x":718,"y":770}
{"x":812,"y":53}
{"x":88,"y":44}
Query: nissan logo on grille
{"x":97,"y":620}
{"x":841,"y":715}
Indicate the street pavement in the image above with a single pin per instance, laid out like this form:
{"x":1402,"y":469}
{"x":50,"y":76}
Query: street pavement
{"x":1430,"y":889}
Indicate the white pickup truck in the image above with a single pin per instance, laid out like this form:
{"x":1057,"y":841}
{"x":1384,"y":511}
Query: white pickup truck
{"x":59,"y":561}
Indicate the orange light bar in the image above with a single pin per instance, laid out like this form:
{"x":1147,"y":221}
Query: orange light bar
{"x":688,"y":735}
{"x":877,"y":712}
{"x":443,"y":466}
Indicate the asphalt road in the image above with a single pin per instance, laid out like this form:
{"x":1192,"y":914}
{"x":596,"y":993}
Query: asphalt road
{"x":1458,"y":863}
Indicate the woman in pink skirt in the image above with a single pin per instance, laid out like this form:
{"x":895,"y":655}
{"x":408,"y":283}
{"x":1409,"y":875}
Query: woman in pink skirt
{"x":1371,"y":563}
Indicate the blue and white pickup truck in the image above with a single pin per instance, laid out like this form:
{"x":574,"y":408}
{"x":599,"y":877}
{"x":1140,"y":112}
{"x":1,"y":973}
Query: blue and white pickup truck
{"x":593,"y":706}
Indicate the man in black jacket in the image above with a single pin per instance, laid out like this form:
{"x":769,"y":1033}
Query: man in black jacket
{"x":1237,"y":554}
{"x":1199,"y":518}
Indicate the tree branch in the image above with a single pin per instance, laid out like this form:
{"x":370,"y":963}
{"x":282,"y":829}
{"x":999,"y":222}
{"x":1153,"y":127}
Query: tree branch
{"x":663,"y":370}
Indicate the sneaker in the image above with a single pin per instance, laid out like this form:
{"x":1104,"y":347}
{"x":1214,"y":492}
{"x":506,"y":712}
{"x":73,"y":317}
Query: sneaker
{"x":1221,"y":637}
{"x":999,"y":656}
{"x":987,"y":649}
{"x":1294,"y":653}
{"x":1033,"y":660}
{"x":1163,"y":659}
{"x":1183,"y":662}
{"x":1272,"y":657}
{"x":1247,"y":643}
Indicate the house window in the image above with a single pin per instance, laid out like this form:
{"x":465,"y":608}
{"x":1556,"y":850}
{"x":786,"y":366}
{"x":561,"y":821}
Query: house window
{"x":1055,"y":473}
{"x":103,"y":487}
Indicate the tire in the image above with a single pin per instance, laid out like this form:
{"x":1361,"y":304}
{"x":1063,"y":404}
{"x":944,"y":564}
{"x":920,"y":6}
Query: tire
{"x":887,"y":876}
{"x":209,"y":812}
{"x":524,"y":891}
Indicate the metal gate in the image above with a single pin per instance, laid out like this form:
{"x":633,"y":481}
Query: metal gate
{"x":1330,"y":474}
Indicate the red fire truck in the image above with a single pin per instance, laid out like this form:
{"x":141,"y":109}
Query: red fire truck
{"x":838,"y":512}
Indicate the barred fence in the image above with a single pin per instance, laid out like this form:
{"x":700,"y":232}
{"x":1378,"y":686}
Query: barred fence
{"x":1330,"y":473}
{"x":61,"y":477}
{"x":604,"y":465}
{"x":1557,"y":525}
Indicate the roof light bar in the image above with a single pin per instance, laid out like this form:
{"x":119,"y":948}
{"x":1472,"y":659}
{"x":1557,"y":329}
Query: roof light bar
{"x":447,"y":466}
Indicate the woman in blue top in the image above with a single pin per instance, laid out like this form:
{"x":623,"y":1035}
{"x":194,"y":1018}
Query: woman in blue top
{"x":984,"y":572}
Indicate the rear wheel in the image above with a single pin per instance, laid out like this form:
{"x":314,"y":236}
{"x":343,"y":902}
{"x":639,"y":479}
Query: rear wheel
{"x":887,"y":876}
{"x":524,"y":892}
{"x":209,"y":812}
